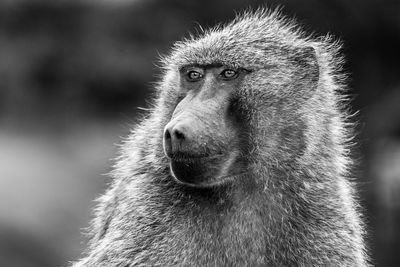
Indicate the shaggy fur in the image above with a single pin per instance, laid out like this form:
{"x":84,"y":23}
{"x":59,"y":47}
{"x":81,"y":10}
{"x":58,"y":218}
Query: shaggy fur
{"x":294,"y":206}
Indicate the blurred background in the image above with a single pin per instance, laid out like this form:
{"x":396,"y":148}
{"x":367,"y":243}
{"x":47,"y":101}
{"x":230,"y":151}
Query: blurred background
{"x":73,"y":74}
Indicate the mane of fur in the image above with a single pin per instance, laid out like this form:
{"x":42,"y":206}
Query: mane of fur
{"x":315,"y":221}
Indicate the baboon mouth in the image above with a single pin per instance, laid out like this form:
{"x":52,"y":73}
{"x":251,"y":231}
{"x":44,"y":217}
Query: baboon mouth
{"x":186,"y":157}
{"x":206,"y":171}
{"x":195,"y":170}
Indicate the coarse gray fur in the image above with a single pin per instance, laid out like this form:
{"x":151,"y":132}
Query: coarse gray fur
{"x":294,"y":206}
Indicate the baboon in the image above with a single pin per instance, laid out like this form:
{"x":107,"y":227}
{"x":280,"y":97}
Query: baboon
{"x":242,"y":160}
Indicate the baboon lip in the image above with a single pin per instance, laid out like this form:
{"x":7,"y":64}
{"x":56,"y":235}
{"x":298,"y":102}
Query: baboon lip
{"x":201,"y":171}
{"x":186,"y":157}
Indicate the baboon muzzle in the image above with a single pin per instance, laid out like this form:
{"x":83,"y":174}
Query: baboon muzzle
{"x":195,"y":129}
{"x":193,"y":142}
{"x":186,"y":142}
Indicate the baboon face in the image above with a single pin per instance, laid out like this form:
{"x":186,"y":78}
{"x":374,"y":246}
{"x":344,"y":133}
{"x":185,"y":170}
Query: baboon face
{"x":233,"y":102}
{"x":201,"y":139}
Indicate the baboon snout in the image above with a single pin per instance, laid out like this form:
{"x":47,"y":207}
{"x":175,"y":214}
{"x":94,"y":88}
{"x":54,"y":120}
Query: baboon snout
{"x":178,"y":137}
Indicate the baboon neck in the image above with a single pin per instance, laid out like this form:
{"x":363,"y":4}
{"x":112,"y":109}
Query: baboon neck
{"x":220,"y":201}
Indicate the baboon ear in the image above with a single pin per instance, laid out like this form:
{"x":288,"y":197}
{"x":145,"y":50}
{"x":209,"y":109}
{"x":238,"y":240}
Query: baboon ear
{"x":306,"y":60}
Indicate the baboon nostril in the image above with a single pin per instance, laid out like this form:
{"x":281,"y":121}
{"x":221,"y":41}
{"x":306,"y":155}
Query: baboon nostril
{"x":167,"y":135}
{"x":179,"y":135}
{"x":176,"y":139}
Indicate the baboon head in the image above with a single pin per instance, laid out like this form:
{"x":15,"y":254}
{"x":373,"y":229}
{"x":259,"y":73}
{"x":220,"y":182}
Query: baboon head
{"x":232,"y":94}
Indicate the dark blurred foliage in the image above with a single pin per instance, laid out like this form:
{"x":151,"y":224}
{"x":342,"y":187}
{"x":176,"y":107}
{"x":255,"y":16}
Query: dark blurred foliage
{"x":74,"y":72}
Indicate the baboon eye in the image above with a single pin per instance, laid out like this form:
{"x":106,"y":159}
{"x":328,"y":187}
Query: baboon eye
{"x":229,"y":74}
{"x":193,"y":76}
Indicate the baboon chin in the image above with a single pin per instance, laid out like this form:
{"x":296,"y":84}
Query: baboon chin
{"x":241,"y":161}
